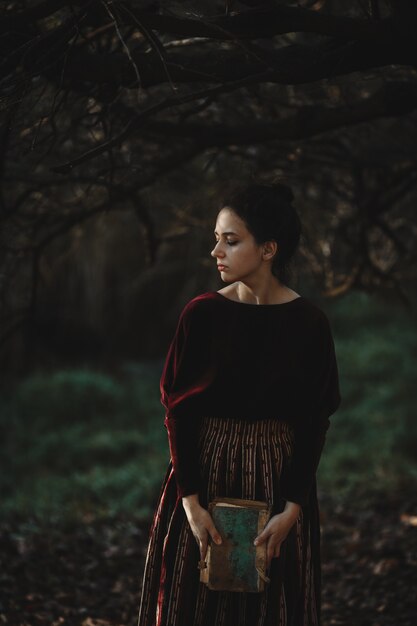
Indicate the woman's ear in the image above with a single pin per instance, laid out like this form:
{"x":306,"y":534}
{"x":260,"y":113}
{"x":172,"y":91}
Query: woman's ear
{"x":269,"y":250}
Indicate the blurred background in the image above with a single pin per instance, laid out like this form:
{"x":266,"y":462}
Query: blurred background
{"x":82,"y":423}
{"x":121,"y":125}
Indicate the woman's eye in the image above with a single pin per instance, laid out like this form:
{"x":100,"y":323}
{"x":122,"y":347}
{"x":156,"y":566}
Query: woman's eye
{"x":230,"y":243}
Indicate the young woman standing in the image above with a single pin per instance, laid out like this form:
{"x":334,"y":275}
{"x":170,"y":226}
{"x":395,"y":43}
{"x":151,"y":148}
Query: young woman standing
{"x":249,"y":383}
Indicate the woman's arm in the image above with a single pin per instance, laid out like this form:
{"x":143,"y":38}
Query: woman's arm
{"x":187,"y":372}
{"x":323,"y":399}
{"x":292,"y":509}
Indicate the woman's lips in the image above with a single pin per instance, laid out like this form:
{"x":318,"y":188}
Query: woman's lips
{"x":221,"y":267}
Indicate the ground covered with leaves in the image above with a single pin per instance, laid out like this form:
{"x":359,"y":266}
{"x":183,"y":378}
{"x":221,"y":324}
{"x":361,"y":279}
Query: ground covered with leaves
{"x":88,"y":573}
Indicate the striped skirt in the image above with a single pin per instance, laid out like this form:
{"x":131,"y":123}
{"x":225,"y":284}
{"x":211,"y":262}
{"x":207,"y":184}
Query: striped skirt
{"x":238,"y":459}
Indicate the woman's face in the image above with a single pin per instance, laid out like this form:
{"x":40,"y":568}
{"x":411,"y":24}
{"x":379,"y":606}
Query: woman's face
{"x":238,"y":255}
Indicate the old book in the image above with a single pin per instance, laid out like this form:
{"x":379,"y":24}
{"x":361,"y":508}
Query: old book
{"x":236,"y":564}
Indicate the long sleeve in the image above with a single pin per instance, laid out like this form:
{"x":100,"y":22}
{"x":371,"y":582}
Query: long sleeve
{"x":186,"y":374}
{"x":324,"y":400}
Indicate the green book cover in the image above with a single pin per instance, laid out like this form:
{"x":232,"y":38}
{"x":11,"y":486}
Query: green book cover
{"x":236,"y":564}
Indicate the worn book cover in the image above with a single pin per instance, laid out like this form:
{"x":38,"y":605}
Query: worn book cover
{"x":236,"y":564}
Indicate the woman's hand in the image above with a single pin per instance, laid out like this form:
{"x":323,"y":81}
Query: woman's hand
{"x":276,"y":531}
{"x":201,"y":524}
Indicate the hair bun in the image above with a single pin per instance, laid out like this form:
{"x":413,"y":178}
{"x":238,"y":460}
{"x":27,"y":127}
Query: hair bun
{"x":284,"y":191}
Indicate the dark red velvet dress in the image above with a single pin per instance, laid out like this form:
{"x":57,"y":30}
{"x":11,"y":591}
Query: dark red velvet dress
{"x":248,"y":391}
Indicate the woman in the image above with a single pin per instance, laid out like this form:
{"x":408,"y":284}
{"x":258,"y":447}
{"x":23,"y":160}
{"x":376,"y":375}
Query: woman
{"x":248,"y":385}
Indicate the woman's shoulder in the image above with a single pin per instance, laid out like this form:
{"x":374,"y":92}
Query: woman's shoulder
{"x":313,"y":308}
{"x":199,"y":307}
{"x":315,"y":320}
{"x":201,"y":301}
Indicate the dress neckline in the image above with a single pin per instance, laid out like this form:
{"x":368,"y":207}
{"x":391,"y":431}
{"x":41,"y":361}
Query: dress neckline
{"x":248,"y":304}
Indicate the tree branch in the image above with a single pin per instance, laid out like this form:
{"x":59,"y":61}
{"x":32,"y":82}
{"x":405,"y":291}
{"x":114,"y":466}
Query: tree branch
{"x":263,"y":22}
{"x":394,"y":99}
{"x":294,"y":64}
{"x":16,"y":19}
{"x":138,"y":121}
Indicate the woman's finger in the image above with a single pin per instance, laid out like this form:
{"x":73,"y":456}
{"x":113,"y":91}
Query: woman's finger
{"x":273,"y":549}
{"x":214,"y":533}
{"x":270,"y":549}
{"x":203,"y":544}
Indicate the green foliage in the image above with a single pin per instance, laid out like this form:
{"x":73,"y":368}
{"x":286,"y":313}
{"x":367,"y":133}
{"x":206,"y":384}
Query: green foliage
{"x":81,"y":442}
{"x":372,"y":439}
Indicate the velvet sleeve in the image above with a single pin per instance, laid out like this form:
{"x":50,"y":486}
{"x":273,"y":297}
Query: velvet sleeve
{"x":323,"y":399}
{"x":186,"y":374}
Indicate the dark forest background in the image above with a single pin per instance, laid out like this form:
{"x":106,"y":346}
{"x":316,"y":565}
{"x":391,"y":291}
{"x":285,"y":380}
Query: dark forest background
{"x":121,"y":123}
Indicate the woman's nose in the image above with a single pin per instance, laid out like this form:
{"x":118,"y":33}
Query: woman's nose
{"x":216,"y":250}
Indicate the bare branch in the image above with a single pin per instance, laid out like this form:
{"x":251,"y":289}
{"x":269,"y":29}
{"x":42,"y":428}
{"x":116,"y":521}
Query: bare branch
{"x":139,"y":120}
{"x":265,"y":22}
{"x":394,"y":99}
{"x":25,"y":17}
